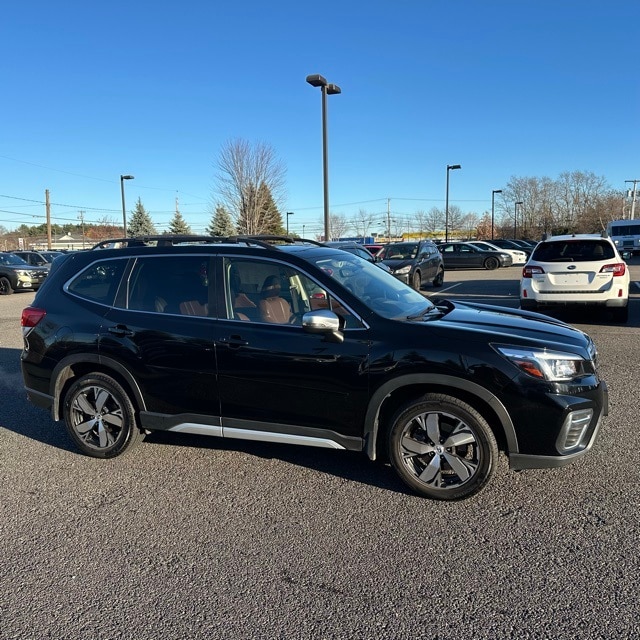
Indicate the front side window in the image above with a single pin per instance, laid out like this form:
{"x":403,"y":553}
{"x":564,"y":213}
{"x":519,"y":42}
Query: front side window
{"x":275,"y":293}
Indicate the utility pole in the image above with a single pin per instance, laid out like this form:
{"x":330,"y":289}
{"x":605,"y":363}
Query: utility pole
{"x":633,"y":198}
{"x":388,"y":219}
{"x":47,"y":207}
{"x":81,"y":217}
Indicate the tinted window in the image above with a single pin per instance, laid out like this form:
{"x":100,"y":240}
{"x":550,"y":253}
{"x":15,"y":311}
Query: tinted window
{"x":99,"y":282}
{"x":170,"y":284}
{"x":573,"y":251}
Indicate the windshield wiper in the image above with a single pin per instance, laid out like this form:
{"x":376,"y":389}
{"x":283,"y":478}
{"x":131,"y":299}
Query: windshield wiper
{"x":427,"y":312}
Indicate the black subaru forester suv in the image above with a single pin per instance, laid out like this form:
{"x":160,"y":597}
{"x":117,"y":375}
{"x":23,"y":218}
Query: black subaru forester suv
{"x":288,"y":341}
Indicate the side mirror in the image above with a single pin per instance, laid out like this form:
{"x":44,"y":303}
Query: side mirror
{"x":325,"y":322}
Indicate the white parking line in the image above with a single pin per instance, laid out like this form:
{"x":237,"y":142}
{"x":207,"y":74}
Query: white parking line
{"x":439,"y":291}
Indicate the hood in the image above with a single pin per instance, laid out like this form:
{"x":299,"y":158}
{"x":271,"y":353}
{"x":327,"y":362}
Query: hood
{"x":398,"y":264}
{"x":514,"y":326}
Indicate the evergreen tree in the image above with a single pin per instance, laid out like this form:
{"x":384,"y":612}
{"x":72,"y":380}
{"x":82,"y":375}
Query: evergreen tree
{"x":140,"y":223}
{"x":178,"y":225}
{"x":221,"y":223}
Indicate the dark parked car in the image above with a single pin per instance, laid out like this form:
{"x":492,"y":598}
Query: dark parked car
{"x":301,"y":343}
{"x":417,"y":263}
{"x":357,"y":250}
{"x":464,"y":255}
{"x":17,"y":275}
{"x":38,"y":258}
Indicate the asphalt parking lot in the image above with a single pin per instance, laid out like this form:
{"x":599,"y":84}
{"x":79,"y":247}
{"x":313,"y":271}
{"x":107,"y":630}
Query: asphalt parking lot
{"x":193,"y":537}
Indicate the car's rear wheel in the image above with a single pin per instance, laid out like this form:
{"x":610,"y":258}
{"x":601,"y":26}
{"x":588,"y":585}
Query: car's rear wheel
{"x":491,"y":263}
{"x":5,"y":286}
{"x":442,"y":447}
{"x":416,"y":281}
{"x":439,"y":279}
{"x":100,"y":417}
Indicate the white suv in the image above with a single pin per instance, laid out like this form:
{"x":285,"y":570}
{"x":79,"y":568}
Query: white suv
{"x":580,"y":269}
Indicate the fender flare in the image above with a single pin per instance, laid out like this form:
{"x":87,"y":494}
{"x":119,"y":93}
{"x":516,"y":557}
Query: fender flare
{"x":59,"y":377}
{"x":372,"y":417}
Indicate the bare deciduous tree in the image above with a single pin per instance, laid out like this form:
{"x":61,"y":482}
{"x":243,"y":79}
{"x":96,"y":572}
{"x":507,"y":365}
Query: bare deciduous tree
{"x":250,"y":180}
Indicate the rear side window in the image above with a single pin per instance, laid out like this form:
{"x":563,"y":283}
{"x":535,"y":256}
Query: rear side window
{"x":99,"y":282}
{"x":170,"y":284}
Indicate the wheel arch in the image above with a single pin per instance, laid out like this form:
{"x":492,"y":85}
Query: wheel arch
{"x":72,"y":367}
{"x":389,"y":397}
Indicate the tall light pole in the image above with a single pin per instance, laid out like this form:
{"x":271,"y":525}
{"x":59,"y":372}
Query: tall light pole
{"x":303,"y":226}
{"x":446,"y":202}
{"x":124,"y":211}
{"x":633,"y":198}
{"x":493,"y":204}
{"x":289,"y":213}
{"x":515,"y":219}
{"x":326,"y":88}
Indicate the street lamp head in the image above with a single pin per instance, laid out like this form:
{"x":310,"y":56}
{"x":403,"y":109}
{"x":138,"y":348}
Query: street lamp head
{"x":316,"y":80}
{"x":497,"y":191}
{"x":519,"y":202}
{"x":333,"y":89}
{"x":126,"y":177}
{"x":453,"y":166}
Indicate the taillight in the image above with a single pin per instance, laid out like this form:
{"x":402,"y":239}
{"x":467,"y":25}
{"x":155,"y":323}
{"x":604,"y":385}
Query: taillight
{"x":617,"y":269}
{"x":527,"y":272}
{"x":31,"y":316}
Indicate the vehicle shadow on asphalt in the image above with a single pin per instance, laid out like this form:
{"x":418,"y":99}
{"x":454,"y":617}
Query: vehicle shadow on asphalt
{"x":17,"y":414}
{"x":348,"y":465}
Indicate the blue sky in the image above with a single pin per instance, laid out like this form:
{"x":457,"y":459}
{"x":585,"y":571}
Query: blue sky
{"x":156,"y":89}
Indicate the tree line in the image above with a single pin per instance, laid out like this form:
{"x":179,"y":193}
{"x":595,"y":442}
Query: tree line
{"x":251,"y":192}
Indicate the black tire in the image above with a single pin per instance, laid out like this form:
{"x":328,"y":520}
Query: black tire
{"x":5,"y":286}
{"x":491,"y":263}
{"x":100,"y":417}
{"x":442,"y":447}
{"x":620,"y":314}
{"x":416,"y":281}
{"x":438,"y":281}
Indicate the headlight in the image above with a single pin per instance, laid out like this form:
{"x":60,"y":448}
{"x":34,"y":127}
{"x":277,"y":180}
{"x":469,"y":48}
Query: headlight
{"x":23,"y":273}
{"x":403,"y":270}
{"x":554,"y":366}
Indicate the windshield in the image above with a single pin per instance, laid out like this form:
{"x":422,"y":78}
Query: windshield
{"x":382,"y":292}
{"x":401,"y":251}
{"x":11,"y":259}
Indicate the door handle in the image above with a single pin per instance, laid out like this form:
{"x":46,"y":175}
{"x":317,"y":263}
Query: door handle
{"x":121,"y":331}
{"x":234,"y":341}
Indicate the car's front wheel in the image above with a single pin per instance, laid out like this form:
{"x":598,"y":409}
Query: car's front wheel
{"x":416,"y":281}
{"x":438,"y":281}
{"x":442,"y":447}
{"x":5,"y":286}
{"x":491,"y":263}
{"x":100,"y":417}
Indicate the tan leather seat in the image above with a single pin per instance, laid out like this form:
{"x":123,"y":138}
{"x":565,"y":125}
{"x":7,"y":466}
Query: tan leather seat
{"x":273,"y":308}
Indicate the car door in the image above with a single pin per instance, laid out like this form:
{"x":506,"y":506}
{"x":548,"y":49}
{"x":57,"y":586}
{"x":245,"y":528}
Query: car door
{"x":429,"y":259}
{"x":161,"y":329}
{"x":274,"y":377}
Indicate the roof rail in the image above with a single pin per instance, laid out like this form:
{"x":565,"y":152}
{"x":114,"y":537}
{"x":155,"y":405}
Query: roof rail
{"x":170,"y":240}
